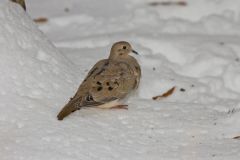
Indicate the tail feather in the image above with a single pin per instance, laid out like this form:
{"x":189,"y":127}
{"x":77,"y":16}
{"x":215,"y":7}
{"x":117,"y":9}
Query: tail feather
{"x":71,"y":106}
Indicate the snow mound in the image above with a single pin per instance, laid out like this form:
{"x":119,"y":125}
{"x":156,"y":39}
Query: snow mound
{"x":32,"y":69}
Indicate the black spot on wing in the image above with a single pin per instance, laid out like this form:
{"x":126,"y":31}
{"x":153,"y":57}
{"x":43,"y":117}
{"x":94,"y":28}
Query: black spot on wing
{"x":116,"y":83}
{"x":99,"y":88}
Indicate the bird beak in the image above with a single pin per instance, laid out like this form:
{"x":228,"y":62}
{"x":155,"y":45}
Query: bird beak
{"x":135,"y":52}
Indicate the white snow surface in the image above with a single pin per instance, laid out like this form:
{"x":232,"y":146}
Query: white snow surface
{"x":194,"y":47}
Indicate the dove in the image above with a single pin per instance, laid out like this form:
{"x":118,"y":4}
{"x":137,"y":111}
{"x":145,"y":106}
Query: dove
{"x":108,"y":83}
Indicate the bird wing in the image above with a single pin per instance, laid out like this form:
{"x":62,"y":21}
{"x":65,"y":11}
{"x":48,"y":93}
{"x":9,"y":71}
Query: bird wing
{"x":82,"y":96}
{"x":107,"y":81}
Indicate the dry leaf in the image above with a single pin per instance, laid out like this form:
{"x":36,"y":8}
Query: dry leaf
{"x":40,"y":20}
{"x":166,"y":94}
{"x":237,"y":137}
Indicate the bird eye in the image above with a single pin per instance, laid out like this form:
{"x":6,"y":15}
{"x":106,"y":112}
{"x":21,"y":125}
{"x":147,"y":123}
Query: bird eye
{"x":124,"y":47}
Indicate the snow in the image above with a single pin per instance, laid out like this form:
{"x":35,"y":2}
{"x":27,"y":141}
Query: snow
{"x":193,"y":47}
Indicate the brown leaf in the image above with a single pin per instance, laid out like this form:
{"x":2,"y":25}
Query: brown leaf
{"x":40,"y":20}
{"x":237,"y":137}
{"x":164,"y":95}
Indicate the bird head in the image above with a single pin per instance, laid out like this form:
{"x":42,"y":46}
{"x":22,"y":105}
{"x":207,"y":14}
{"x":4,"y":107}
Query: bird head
{"x":121,"y":49}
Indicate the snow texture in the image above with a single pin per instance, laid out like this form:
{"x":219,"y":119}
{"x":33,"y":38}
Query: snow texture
{"x":194,"y":47}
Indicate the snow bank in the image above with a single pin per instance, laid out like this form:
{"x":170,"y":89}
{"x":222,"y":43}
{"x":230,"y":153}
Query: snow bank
{"x":31,"y":65}
{"x":34,"y":78}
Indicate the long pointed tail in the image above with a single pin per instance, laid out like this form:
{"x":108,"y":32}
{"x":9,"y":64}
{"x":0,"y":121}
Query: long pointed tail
{"x":70,"y":107}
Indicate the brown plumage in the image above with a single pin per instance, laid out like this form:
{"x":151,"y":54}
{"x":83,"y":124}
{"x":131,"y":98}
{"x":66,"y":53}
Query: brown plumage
{"x":109,"y":81}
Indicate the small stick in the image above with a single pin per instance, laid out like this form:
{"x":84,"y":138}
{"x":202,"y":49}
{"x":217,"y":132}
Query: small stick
{"x":166,"y":94}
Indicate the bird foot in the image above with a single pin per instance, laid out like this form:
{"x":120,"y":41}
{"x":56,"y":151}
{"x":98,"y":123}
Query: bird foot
{"x":120,"y":107}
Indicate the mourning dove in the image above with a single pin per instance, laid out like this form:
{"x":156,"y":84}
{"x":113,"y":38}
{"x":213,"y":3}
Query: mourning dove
{"x":108,"y":82}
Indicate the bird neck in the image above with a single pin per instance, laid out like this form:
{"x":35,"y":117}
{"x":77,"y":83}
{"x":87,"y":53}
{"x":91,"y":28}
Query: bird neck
{"x":117,"y":57}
